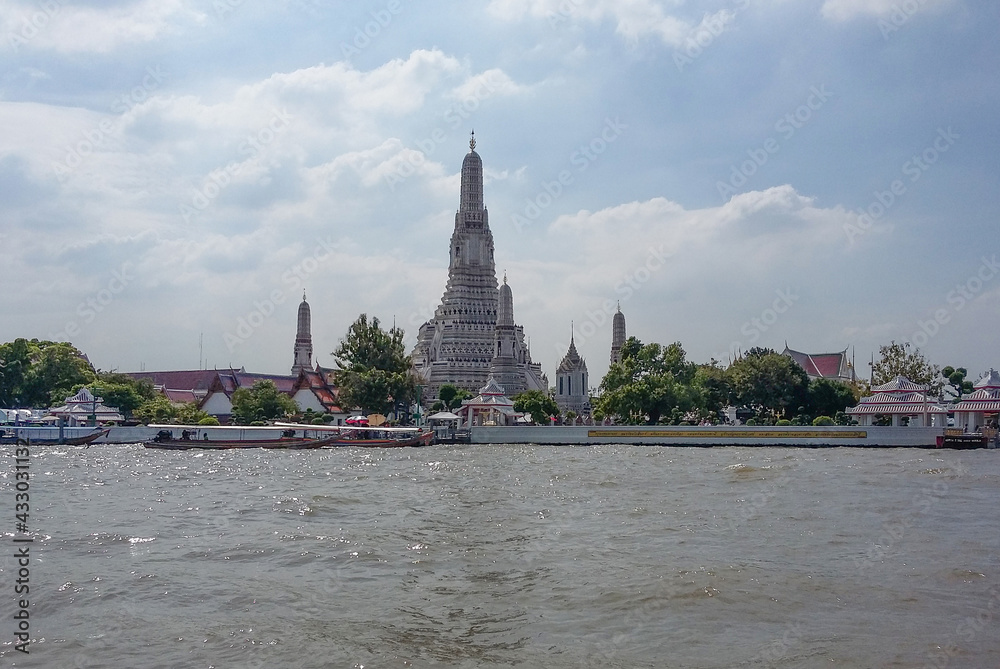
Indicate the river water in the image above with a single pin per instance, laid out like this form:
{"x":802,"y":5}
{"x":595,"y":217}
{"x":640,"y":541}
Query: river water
{"x":483,"y":556}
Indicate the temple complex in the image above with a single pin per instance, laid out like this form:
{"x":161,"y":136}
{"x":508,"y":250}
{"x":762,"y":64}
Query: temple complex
{"x":303,"y":339}
{"x":473,"y":332}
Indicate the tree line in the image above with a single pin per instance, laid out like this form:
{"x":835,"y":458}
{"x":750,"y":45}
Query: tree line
{"x":651,"y":384}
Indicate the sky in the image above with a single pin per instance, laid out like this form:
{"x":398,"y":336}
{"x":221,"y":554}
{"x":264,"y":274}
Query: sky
{"x":732,"y":173}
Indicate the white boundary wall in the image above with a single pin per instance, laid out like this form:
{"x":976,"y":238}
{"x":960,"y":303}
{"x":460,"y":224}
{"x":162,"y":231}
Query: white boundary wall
{"x":712,"y":435}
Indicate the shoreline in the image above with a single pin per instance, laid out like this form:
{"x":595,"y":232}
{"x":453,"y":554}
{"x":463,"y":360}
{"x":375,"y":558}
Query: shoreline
{"x":647,"y":435}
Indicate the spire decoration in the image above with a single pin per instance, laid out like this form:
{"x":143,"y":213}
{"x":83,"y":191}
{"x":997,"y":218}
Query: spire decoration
{"x":472,"y":141}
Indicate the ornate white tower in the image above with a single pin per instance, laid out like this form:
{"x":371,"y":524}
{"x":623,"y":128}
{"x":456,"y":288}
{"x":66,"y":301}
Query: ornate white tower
{"x":572,"y":390}
{"x":617,"y":335}
{"x":473,"y":331}
{"x":456,"y":346}
{"x":511,"y":365}
{"x":303,"y":338}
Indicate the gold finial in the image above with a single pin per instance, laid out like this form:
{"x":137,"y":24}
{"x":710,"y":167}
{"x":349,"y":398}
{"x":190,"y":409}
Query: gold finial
{"x":472,"y":141}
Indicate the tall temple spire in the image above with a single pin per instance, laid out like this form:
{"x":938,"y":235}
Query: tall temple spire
{"x":473,"y":330}
{"x":617,"y":335}
{"x":472,"y":183}
{"x":303,"y":338}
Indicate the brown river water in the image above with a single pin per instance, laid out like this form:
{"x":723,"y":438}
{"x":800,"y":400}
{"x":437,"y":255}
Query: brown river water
{"x":510,"y":555}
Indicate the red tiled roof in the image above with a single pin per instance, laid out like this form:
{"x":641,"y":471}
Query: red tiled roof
{"x":285,"y":384}
{"x":178,"y":396}
{"x":825,"y":365}
{"x":315,"y":382}
{"x":197,"y":379}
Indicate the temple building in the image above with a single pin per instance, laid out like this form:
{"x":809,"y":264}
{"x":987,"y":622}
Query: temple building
{"x":473,"y":332}
{"x":981,"y":408}
{"x":617,"y":335}
{"x":303,"y":339}
{"x":572,"y":389}
{"x":900,"y":402}
{"x":833,"y":366}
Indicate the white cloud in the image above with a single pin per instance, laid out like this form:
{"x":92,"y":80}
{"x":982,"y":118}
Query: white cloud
{"x":68,"y":29}
{"x":633,"y":19}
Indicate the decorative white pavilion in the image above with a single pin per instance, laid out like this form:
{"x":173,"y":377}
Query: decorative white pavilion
{"x":981,"y":407}
{"x":490,"y":407}
{"x":902,"y":400}
{"x":84,"y":409}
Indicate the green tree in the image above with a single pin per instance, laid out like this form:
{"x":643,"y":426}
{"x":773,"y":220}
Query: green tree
{"x":768,"y":382}
{"x":712,"y":381}
{"x":15,"y":362}
{"x":41,"y":373}
{"x":540,"y":405}
{"x":955,"y":382}
{"x":374,"y":372}
{"x":121,"y":391}
{"x":452,"y":395}
{"x":651,"y":381}
{"x":261,"y":402}
{"x":157,"y":409}
{"x":827,"y":397}
{"x":57,"y":369}
{"x":898,"y":360}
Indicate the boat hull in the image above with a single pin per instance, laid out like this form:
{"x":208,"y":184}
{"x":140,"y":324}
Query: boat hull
{"x":422,"y":439}
{"x":68,"y":441}
{"x":230,"y":444}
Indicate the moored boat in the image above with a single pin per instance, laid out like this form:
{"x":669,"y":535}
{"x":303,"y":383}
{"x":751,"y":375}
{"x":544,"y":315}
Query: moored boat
{"x":81,"y":440}
{"x":227,"y":444}
{"x":223,"y":438}
{"x":372,"y":437}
